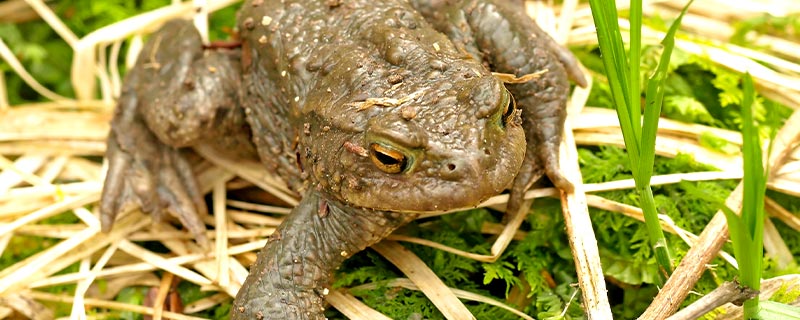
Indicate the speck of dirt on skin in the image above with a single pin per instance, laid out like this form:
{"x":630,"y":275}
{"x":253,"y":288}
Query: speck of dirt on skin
{"x":408,"y":112}
{"x":352,"y":183}
{"x":259,"y":315}
{"x":438,"y":65}
{"x":356,"y":149}
{"x":395,"y":79}
{"x":343,"y":253}
{"x":241,"y":309}
{"x":323,"y":209}
{"x":266,"y":20}
{"x":436,"y":46}
{"x":248,"y":23}
{"x":262,"y":39}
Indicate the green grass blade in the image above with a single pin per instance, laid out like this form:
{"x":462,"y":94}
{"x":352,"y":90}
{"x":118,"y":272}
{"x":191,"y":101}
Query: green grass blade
{"x":635,"y":81}
{"x":739,"y":238}
{"x":615,"y":61}
{"x":753,"y":160}
{"x":654,"y":98}
{"x":752,"y":220}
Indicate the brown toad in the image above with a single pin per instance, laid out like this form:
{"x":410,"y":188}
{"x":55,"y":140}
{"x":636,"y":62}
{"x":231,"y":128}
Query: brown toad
{"x":373,"y":110}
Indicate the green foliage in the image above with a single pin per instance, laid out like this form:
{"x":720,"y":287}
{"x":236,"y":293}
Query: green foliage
{"x":686,"y":108}
{"x":190,"y":292}
{"x":627,"y":268}
{"x":134,"y":296}
{"x":22,"y":246}
{"x":48,"y":58}
{"x":553,"y":303}
{"x":42,"y":53}
{"x":787,"y":27}
{"x":634,"y":301}
{"x":85,"y":16}
{"x":603,"y":164}
{"x":719,"y":90}
{"x":785,"y":295}
{"x":366,"y":274}
{"x":501,"y":270}
{"x":713,"y":142}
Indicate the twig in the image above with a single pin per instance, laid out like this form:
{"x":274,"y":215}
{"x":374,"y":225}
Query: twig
{"x":352,"y":307}
{"x":581,"y":236}
{"x":729,"y":291}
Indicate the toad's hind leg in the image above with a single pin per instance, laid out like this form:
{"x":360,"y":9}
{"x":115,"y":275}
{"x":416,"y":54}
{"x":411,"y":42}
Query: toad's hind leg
{"x":177,"y":95}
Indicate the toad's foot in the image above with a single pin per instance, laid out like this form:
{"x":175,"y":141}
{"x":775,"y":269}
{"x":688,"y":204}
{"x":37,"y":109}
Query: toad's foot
{"x":541,"y":158}
{"x":147,"y":173}
{"x":178,"y":95}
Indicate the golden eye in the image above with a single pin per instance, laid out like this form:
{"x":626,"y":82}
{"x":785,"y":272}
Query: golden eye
{"x":509,"y":108}
{"x":386,"y":159}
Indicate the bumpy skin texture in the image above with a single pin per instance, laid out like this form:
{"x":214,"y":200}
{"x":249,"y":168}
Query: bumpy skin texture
{"x":374,"y":110}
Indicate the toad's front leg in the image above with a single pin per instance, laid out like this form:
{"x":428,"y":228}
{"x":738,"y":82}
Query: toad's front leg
{"x":178,"y":95}
{"x":293,"y":271}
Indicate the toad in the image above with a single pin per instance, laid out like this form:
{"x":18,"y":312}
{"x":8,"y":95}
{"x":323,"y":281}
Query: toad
{"x":373,"y":111}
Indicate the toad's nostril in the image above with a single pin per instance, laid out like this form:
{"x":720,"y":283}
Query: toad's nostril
{"x":459,"y":168}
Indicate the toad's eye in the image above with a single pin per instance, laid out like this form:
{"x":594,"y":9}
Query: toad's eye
{"x":508,"y":110}
{"x":386,"y":159}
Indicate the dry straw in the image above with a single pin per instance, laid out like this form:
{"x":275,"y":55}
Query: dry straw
{"x":39,"y":145}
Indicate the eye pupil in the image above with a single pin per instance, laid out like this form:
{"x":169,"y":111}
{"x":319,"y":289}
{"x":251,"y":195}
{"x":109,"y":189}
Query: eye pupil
{"x":388,"y":160}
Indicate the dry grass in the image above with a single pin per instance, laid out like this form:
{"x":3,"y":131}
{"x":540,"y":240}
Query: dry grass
{"x":49,"y":142}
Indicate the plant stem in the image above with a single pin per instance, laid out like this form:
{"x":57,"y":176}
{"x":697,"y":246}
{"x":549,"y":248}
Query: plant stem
{"x":653,"y":226}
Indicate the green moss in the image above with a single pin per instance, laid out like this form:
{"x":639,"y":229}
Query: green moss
{"x":788,"y":293}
